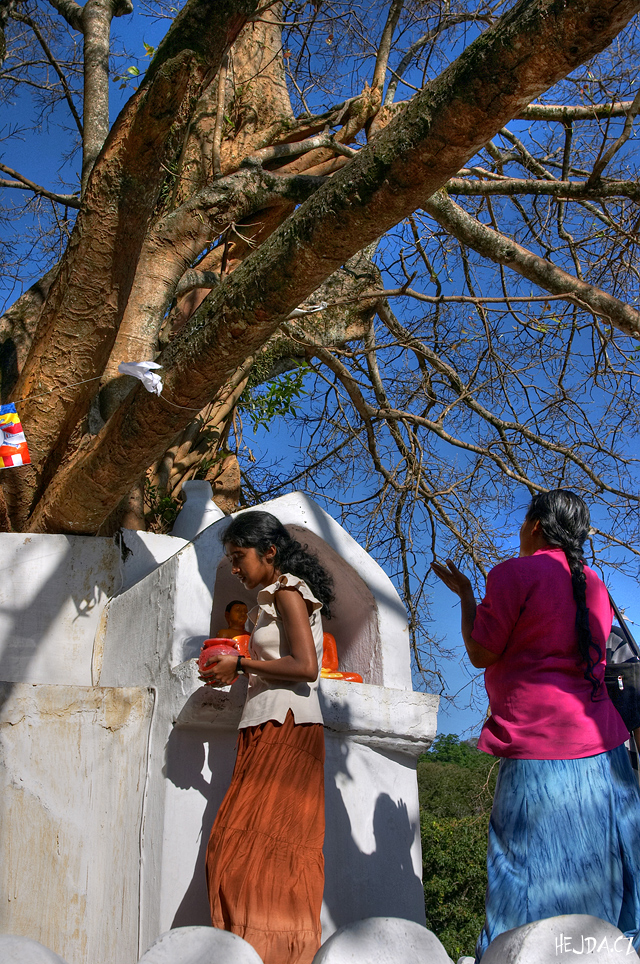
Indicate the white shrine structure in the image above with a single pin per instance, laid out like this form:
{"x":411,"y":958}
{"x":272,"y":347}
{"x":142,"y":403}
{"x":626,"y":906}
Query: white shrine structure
{"x":114,"y":757}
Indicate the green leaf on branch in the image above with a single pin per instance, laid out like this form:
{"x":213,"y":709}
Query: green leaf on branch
{"x":261,"y":405}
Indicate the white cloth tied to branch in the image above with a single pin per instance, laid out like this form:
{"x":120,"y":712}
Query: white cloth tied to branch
{"x":308,"y":310}
{"x":142,"y":370}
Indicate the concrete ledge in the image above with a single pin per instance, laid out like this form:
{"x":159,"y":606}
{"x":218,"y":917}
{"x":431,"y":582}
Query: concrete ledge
{"x":387,"y":719}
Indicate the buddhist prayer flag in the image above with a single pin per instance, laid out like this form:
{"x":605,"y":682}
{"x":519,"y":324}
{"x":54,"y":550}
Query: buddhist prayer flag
{"x":13,"y":444}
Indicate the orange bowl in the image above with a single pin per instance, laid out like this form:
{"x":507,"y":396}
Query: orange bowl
{"x":216,"y":647}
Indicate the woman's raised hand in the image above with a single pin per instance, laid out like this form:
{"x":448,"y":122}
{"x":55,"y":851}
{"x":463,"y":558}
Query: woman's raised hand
{"x":453,"y":579}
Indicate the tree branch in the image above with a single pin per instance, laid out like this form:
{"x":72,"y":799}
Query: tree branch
{"x":563,"y":114}
{"x":68,"y":200}
{"x":466,"y":397}
{"x":278,"y":152}
{"x":217,"y":131}
{"x":602,"y":162}
{"x":384,"y":48}
{"x":569,"y":190}
{"x":502,"y":250}
{"x":56,"y":66}
{"x":71,"y":11}
{"x":171,"y":248}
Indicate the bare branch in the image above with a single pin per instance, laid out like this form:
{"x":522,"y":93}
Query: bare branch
{"x":279,"y":151}
{"x":68,"y":200}
{"x":196,"y":279}
{"x":56,"y":66}
{"x":563,"y":114}
{"x":569,"y":190}
{"x":602,"y":162}
{"x":71,"y":11}
{"x":384,"y":48}
{"x":467,"y":398}
{"x":502,"y":250}
{"x":217,"y":132}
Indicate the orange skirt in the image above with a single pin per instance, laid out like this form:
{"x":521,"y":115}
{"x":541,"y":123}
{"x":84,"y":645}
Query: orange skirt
{"x":265,"y":867}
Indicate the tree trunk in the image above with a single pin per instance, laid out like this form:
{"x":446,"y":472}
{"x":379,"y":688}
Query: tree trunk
{"x":80,"y":319}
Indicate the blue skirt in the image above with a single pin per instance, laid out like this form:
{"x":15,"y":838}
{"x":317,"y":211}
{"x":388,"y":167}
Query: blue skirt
{"x":564,"y":838}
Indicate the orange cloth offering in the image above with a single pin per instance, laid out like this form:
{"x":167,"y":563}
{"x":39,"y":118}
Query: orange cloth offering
{"x":337,"y":674}
{"x":330,"y":663}
{"x":329,"y":652}
{"x":270,"y":828}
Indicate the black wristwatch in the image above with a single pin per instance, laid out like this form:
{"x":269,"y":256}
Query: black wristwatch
{"x":239,"y":667}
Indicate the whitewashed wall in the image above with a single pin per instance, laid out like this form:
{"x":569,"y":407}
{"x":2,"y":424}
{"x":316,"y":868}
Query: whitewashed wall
{"x":154,"y":774}
{"x":72,"y":778}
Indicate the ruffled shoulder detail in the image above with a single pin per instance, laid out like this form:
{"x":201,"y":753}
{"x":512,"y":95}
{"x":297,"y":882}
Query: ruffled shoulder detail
{"x":266,"y":596}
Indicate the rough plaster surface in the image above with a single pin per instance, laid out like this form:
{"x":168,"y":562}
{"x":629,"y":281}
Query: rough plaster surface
{"x":382,"y":940}
{"x":570,"y":937}
{"x":52,"y":594}
{"x":97,"y":877}
{"x":200,"y":945}
{"x":143,"y":552}
{"x":72,"y":777}
{"x":373,"y":864}
{"x":22,"y":950}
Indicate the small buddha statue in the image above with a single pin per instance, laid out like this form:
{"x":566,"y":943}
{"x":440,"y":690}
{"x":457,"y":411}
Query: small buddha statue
{"x":236,"y":616}
{"x":330,"y":665}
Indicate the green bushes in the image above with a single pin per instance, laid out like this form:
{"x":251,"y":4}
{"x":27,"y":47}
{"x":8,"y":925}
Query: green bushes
{"x":456,"y":783}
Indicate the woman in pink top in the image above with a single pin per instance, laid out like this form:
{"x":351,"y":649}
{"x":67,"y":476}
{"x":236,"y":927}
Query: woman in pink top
{"x":564,"y":836}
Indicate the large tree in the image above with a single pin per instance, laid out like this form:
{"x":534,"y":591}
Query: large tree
{"x":453,"y":185}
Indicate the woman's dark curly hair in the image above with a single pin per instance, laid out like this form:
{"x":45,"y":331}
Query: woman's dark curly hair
{"x":565,"y":522}
{"x":259,"y":530}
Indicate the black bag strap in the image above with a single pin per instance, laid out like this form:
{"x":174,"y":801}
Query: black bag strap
{"x":624,"y":628}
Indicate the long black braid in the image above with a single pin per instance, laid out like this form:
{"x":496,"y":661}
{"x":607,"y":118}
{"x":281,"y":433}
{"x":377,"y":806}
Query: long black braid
{"x":565,"y":522}
{"x":259,"y":530}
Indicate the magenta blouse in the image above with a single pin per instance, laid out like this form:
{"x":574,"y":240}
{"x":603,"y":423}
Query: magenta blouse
{"x":541,"y":706}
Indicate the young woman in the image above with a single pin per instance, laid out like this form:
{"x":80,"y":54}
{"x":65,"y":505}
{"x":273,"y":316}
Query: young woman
{"x":265,"y":867}
{"x":564,"y":836}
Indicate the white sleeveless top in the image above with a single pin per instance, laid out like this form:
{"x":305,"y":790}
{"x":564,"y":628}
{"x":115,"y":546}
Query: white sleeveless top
{"x":271,"y":700}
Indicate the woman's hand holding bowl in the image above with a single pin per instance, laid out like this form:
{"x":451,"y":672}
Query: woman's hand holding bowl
{"x":218,"y":662}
